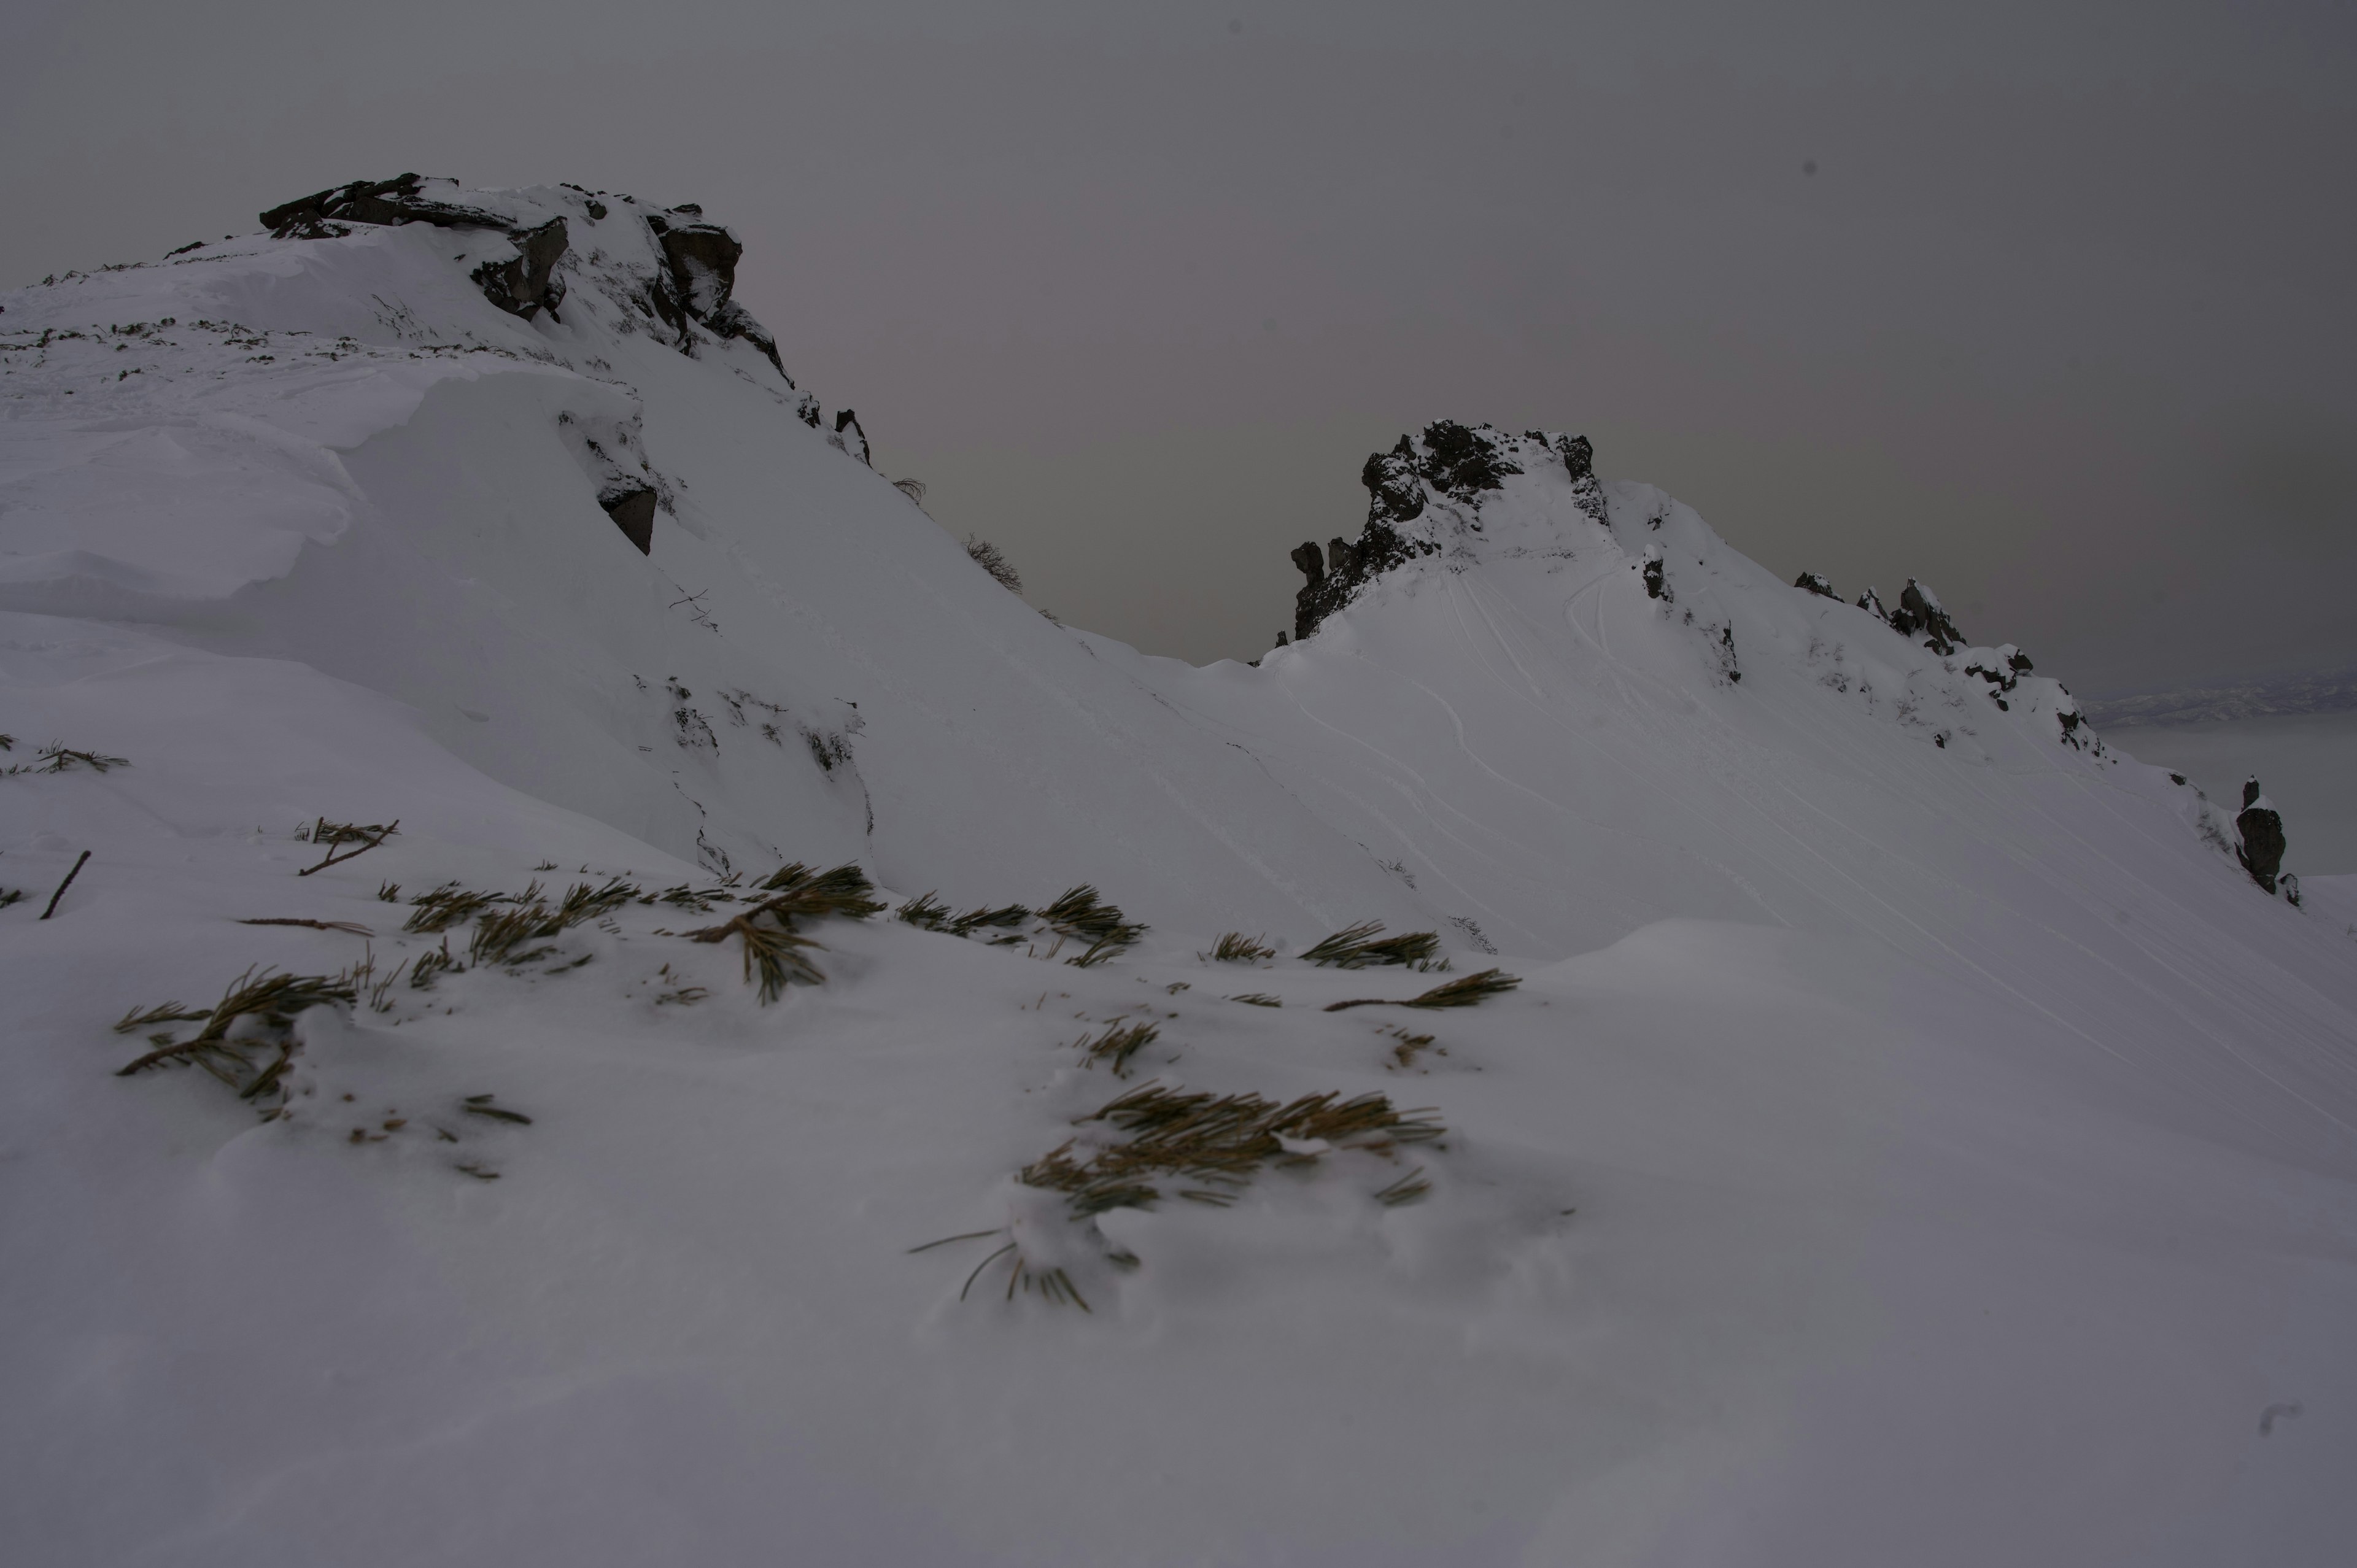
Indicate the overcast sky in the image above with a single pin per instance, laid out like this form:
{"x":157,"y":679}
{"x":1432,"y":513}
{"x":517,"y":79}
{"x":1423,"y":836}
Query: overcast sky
{"x":2061,"y":322}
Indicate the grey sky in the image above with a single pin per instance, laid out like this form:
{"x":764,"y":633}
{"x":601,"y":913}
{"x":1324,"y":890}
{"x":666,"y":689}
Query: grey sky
{"x":2063,"y":323}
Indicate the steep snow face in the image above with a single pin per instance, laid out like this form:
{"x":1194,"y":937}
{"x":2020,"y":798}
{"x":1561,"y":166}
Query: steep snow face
{"x":345,"y":451}
{"x":1914,"y":1137}
{"x":1570,"y":715}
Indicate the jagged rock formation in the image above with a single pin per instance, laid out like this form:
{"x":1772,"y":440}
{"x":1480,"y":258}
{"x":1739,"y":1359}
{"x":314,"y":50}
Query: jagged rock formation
{"x":524,"y":285}
{"x":1450,"y":467}
{"x":2003,"y":668}
{"x":850,"y":437}
{"x":699,"y":276}
{"x":1919,"y":613}
{"x":328,"y":214}
{"x":2260,"y":826}
{"x":527,"y":283}
{"x":1816,"y":585}
{"x":690,"y":289}
{"x":1871,"y":603}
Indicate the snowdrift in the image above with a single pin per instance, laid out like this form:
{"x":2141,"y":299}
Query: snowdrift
{"x":1913,"y":1136}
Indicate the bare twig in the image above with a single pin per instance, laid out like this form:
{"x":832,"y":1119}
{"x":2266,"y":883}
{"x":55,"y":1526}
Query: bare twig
{"x":337,"y":834}
{"x":66,"y":884}
{"x":355,"y":928}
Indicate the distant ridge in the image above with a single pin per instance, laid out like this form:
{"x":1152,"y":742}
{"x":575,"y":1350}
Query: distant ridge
{"x":2316,"y":693}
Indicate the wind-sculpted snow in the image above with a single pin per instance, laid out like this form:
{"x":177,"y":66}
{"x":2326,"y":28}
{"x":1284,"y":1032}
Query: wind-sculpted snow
{"x":1885,"y":1124}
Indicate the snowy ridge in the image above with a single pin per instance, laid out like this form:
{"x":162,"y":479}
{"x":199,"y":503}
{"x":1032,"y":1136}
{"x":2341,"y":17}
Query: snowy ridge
{"x":1912,"y":1138}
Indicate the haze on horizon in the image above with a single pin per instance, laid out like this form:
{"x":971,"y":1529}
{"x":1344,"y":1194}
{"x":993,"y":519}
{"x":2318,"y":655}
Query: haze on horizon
{"x":2049,"y":309}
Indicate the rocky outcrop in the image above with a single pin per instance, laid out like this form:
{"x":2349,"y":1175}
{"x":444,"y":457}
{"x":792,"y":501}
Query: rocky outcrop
{"x":632,"y":508}
{"x":528,"y":284}
{"x":1871,"y":603}
{"x":1813,"y":584}
{"x":1451,"y":466}
{"x":849,"y":436}
{"x":699,"y":280}
{"x":523,"y":285}
{"x":381,"y":201}
{"x":2002,"y":668}
{"x":1919,"y":614}
{"x":2260,"y":826}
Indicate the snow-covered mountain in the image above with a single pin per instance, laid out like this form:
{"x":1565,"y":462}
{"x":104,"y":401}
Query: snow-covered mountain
{"x":1913,"y":1136}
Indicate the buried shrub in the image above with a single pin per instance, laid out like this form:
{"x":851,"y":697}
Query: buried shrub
{"x":773,"y":949}
{"x":1235,"y":947}
{"x":992,"y":560}
{"x":1116,"y":1046}
{"x":1358,"y":947}
{"x":1214,"y":1144}
{"x":270,"y":1001}
{"x":1466,"y":992}
{"x":1082,"y":914}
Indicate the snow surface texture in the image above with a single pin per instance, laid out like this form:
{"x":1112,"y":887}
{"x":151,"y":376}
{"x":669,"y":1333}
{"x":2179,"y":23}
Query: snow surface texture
{"x":1914,"y":1140}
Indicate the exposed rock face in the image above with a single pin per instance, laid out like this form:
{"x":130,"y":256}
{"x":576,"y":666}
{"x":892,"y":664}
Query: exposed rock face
{"x":524,"y":285}
{"x":2261,"y":827}
{"x":1919,"y":613}
{"x":1817,"y":585}
{"x":699,"y":278}
{"x":527,"y":285}
{"x":2002,"y":668}
{"x":632,"y":508}
{"x":1451,"y":466}
{"x":849,"y":436}
{"x":1871,"y":603}
{"x":384,"y":202}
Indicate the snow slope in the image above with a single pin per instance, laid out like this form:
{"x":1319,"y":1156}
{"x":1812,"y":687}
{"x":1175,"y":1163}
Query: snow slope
{"x":1914,"y":1138}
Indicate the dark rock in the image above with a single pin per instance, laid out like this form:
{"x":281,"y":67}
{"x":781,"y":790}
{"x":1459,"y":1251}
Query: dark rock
{"x":1578,"y":455}
{"x":1281,"y":639}
{"x":381,"y":201}
{"x":1657,"y":585}
{"x":807,"y":411}
{"x":1919,"y":614}
{"x":2261,"y":829}
{"x":524,"y":286}
{"x":849,"y":436}
{"x":2262,"y":849}
{"x":1460,"y":463}
{"x":528,"y":284}
{"x":1451,"y":462}
{"x":1817,"y":585}
{"x":1312,"y":564}
{"x":632,"y":508}
{"x":699,"y":282}
{"x":1395,"y":484}
{"x":1871,"y":603}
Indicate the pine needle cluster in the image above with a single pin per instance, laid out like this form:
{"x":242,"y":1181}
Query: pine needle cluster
{"x":270,"y":1001}
{"x":1359,"y":947}
{"x":773,"y":949}
{"x":1214,"y":1143}
{"x":1235,"y":947}
{"x":1082,"y":914}
{"x":1116,"y":1046}
{"x":1466,"y":991}
{"x":928,"y":913}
